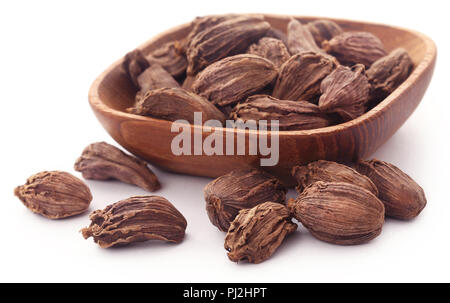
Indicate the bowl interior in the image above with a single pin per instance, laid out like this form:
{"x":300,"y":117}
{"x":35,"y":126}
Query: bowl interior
{"x":117,"y":92}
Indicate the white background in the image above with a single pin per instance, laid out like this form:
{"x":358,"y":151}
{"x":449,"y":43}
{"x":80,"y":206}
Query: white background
{"x":51,"y":51}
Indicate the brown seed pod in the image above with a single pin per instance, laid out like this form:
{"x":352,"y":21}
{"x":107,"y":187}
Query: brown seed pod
{"x":256,"y":233}
{"x":170,"y":56}
{"x":345,"y":92}
{"x":240,"y":189}
{"x":134,"y":64}
{"x":226,"y":38}
{"x":301,"y":75}
{"x":154,"y":77}
{"x":200,"y":24}
{"x":387,"y":73}
{"x":136,"y":219}
{"x":103,"y":161}
{"x":272,"y":49}
{"x":233,"y":79}
{"x":339,"y":213}
{"x":323,"y":30}
{"x":403,"y":198}
{"x":54,"y":194}
{"x":277,"y":34}
{"x":176,"y":104}
{"x":291,"y":115}
{"x":328,"y":171}
{"x":300,"y":38}
{"x":355,"y":48}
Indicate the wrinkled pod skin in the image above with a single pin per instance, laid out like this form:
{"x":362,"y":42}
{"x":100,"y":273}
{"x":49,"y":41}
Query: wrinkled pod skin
{"x":237,"y":190}
{"x":234,"y":78}
{"x":291,"y":115}
{"x":323,"y":30}
{"x":103,"y":161}
{"x":271,"y":49}
{"x":339,"y":213}
{"x":351,"y":48}
{"x":54,"y":194}
{"x":300,"y":77}
{"x":403,"y":198}
{"x":136,"y":219}
{"x":256,"y":233}
{"x":387,"y":73}
{"x":174,"y":104}
{"x":345,"y":92}
{"x":328,"y":171}
{"x":229,"y":37}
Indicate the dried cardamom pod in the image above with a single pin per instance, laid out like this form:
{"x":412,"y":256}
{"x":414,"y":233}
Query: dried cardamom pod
{"x":277,"y":34}
{"x":54,"y":194}
{"x":387,"y":73}
{"x":339,"y":213}
{"x":323,"y":30}
{"x":175,"y":104}
{"x":355,"y":47}
{"x":240,"y":189}
{"x":403,"y":198}
{"x":134,"y":64}
{"x":102,"y":161}
{"x":234,"y":78}
{"x":256,"y":233}
{"x":291,"y":115}
{"x":154,"y":77}
{"x":272,"y":49}
{"x":201,"y":24}
{"x":170,"y":56}
{"x":187,"y":83}
{"x":300,"y":38}
{"x":226,"y":38}
{"x":345,"y":92}
{"x":136,"y":219}
{"x":301,"y":75}
{"x":328,"y":171}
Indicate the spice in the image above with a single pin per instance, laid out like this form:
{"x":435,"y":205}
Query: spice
{"x":174,"y":104}
{"x":256,"y":233}
{"x":387,"y":73}
{"x":355,"y":47}
{"x":329,"y":171}
{"x":291,"y":115}
{"x":233,"y":79}
{"x":102,"y":161}
{"x":403,"y":198}
{"x":154,"y":77}
{"x":136,"y":219}
{"x":339,"y":213}
{"x":300,"y":38}
{"x":134,"y":64}
{"x":237,"y":190}
{"x":345,"y":92}
{"x":272,"y":49}
{"x":224,"y":39}
{"x":323,"y":30}
{"x":171,"y":57}
{"x":54,"y":194}
{"x":301,"y":75}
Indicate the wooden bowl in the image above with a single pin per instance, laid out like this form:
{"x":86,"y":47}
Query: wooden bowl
{"x":112,"y":92}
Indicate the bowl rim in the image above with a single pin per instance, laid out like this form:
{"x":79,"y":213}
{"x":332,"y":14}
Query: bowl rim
{"x":429,"y":57}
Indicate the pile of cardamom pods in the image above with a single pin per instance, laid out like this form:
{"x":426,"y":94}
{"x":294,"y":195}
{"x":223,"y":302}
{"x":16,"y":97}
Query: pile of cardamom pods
{"x":306,"y":76}
{"x":338,"y":203}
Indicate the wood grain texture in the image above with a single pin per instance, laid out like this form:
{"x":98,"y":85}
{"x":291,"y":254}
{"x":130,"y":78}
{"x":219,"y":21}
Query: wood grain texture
{"x":112,"y":92}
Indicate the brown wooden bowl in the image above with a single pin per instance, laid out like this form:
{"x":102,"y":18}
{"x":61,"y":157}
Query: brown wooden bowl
{"x":112,"y":92}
